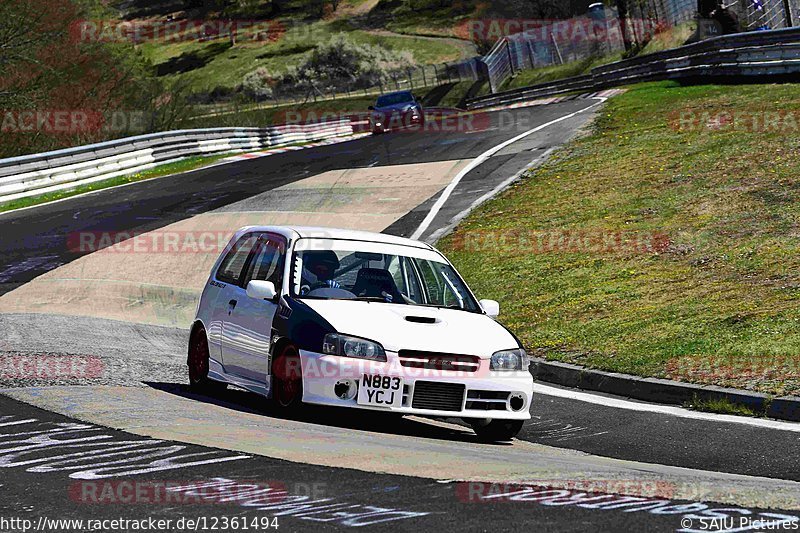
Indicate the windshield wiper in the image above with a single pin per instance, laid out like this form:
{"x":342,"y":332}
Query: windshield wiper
{"x":453,"y":306}
{"x":371,"y":299}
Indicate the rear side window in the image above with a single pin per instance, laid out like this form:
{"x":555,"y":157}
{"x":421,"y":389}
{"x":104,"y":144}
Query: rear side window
{"x":268,"y":262}
{"x":230,"y":270}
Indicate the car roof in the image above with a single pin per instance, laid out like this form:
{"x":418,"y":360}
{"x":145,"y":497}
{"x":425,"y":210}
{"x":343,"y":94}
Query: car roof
{"x":406,"y":91}
{"x":310,"y":232}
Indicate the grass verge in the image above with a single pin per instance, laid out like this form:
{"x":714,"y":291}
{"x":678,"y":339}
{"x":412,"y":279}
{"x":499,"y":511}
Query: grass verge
{"x":186,"y":165}
{"x":529,"y":77}
{"x":650,"y":250}
{"x":721,"y":406}
{"x":259,"y":118}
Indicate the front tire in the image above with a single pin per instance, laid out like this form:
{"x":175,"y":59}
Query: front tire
{"x":198,"y":362}
{"x":287,"y":382}
{"x":496,"y":430}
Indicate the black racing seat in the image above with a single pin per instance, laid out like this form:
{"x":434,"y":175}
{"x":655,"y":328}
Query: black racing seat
{"x":373,"y":282}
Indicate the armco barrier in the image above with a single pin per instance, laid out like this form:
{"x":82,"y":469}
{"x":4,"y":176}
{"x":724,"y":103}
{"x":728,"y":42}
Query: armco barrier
{"x":32,"y":175}
{"x":766,"y":54}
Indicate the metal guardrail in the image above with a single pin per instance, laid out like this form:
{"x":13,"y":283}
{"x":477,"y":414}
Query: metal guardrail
{"x":767,"y":53}
{"x":37,"y":174}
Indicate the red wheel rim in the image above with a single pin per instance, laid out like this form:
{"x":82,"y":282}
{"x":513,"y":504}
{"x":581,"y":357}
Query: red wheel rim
{"x":288,"y":377}
{"x":198,"y":362}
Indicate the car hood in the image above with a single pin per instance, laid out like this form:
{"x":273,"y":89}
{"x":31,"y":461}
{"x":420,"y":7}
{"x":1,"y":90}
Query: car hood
{"x":396,"y":108}
{"x":456,"y":332}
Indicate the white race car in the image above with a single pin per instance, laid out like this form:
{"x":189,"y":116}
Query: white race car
{"x":355,"y":319}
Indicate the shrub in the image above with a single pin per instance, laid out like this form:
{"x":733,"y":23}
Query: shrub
{"x":258,"y":84}
{"x":342,"y":64}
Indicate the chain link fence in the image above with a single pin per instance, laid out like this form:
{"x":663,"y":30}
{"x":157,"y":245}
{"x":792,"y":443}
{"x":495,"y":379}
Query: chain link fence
{"x":597,"y":33}
{"x":766,"y":14}
{"x":674,"y":12}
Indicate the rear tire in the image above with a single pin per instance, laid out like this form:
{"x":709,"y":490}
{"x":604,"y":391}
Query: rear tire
{"x":287,"y":382}
{"x":496,"y":430}
{"x":198,"y":362}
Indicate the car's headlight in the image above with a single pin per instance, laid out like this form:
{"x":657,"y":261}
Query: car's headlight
{"x":347,"y":346}
{"x":510,"y":360}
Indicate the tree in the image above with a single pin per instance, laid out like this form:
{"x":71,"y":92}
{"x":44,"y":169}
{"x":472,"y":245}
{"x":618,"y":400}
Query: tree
{"x":47,"y":66}
{"x":623,"y":13}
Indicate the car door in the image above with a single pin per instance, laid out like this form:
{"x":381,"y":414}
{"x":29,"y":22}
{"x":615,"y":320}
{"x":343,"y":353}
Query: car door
{"x":248,"y":325}
{"x":227,"y":281}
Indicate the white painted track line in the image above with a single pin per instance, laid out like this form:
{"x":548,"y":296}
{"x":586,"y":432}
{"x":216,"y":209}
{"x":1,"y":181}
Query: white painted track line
{"x":439,"y":233}
{"x":482,"y":158}
{"x":618,"y":403}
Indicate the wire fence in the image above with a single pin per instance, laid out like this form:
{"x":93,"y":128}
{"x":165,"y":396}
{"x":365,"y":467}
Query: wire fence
{"x":767,"y":14}
{"x":674,"y":12}
{"x":552,"y":43}
{"x":595,"y":34}
{"x":762,"y":56}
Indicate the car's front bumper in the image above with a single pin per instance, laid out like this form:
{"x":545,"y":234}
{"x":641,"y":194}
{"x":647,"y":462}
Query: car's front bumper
{"x":485,"y":394}
{"x":396,"y":120}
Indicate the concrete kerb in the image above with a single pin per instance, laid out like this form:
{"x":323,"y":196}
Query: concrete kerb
{"x":662,"y":391}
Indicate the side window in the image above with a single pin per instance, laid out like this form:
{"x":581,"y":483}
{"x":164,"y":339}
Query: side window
{"x":396,"y":270}
{"x":230,"y":270}
{"x":404,"y":278}
{"x":414,"y":290}
{"x":432,"y":282}
{"x":269,"y":261}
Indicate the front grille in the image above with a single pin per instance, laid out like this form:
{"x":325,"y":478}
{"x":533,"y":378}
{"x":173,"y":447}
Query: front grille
{"x":484,"y":400}
{"x":438,"y":396}
{"x":439,"y":361}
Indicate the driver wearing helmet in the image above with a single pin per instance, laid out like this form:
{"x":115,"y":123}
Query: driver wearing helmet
{"x":319,"y":268}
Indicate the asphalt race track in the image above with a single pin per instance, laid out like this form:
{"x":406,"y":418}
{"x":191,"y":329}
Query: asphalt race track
{"x":132,"y":442}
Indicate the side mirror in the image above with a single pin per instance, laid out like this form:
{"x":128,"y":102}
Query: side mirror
{"x":371,"y":108}
{"x":261,"y":290}
{"x":490,"y":307}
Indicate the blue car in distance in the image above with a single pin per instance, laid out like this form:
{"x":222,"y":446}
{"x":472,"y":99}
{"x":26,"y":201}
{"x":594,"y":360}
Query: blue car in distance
{"x":396,"y":110}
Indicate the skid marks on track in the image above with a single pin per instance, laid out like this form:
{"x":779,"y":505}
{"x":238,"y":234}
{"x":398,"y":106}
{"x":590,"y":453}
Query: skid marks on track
{"x":540,"y":428}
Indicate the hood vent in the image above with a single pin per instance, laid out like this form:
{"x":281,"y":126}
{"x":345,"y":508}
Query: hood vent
{"x":422,"y":319}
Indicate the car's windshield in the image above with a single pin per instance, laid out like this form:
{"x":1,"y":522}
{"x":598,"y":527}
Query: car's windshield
{"x":370,"y":276}
{"x":394,"y":99}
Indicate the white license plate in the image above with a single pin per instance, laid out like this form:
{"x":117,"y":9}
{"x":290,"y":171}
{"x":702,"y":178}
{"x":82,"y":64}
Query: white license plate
{"x":380,"y":391}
